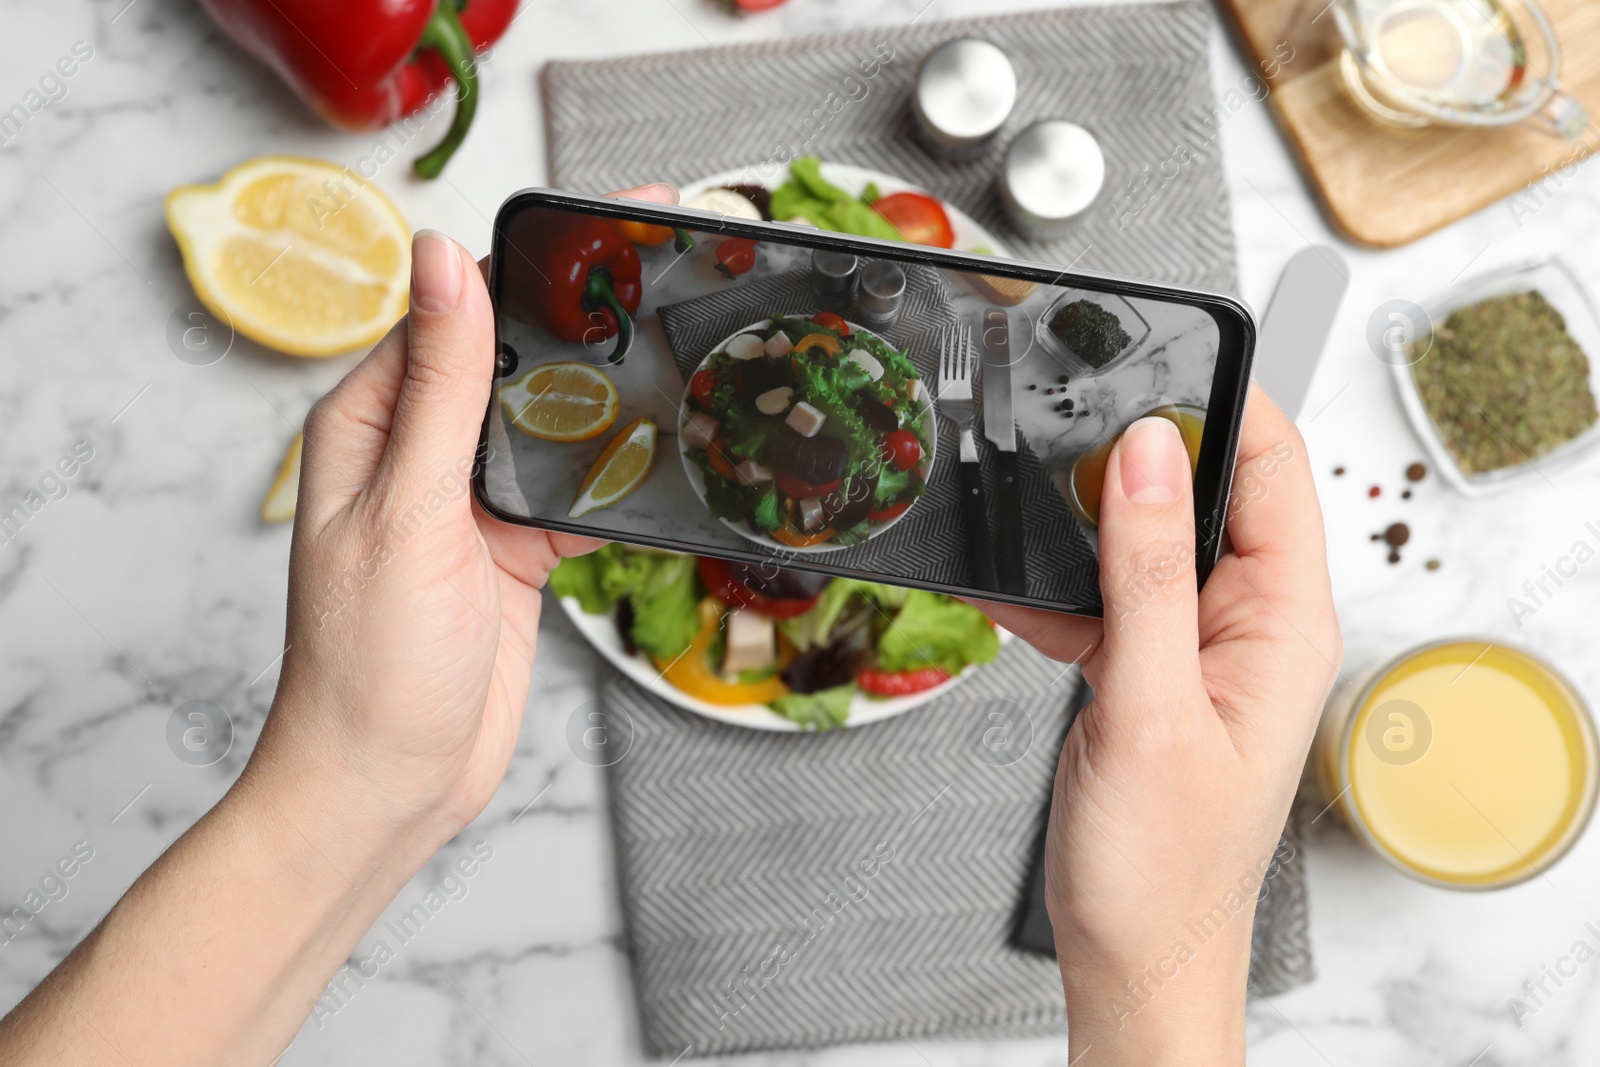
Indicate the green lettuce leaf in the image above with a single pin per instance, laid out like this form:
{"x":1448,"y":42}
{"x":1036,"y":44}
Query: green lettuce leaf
{"x":579,"y":576}
{"x":664,"y":589}
{"x":931,"y":630}
{"x":817,"y":711}
{"x":666,"y":604}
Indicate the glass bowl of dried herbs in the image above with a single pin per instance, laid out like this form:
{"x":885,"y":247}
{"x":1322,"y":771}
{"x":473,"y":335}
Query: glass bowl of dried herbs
{"x":1090,"y":332}
{"x":1499,"y":382}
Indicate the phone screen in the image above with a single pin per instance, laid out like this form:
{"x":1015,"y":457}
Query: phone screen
{"x":764,"y":393}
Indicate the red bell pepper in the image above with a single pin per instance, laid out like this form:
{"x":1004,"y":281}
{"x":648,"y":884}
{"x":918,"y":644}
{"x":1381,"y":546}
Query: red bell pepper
{"x":363,"y":64}
{"x":586,"y":284}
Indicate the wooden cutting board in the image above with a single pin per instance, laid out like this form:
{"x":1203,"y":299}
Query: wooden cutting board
{"x":1384,"y":186}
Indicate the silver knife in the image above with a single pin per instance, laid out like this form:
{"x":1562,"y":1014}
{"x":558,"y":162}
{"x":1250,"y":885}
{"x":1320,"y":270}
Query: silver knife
{"x":1295,"y":329}
{"x":999,"y":426}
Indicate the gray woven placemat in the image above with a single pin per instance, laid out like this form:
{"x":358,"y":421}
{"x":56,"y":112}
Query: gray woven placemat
{"x":731,"y":841}
{"x":787,"y":890}
{"x":1137,"y":76}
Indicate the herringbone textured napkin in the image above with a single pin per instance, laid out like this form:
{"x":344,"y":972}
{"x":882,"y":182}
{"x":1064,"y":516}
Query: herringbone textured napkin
{"x":789,"y":891}
{"x":1138,"y":77}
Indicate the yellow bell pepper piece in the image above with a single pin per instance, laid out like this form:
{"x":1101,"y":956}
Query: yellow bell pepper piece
{"x":827,"y":342}
{"x":692,"y":673}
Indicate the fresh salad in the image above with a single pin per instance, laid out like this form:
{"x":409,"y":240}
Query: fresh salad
{"x":912,"y":217}
{"x":802,"y":644}
{"x":806,"y":196}
{"x":808,"y":431}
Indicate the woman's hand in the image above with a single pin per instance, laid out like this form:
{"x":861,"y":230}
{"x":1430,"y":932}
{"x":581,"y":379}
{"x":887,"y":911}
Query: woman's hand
{"x":413,"y":616}
{"x":412,"y":621}
{"x":1175,"y":782}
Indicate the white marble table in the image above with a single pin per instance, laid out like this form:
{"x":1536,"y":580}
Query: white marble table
{"x":151,"y":583}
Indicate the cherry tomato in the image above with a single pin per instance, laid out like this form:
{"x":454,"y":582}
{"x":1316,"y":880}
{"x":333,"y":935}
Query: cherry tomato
{"x":902,"y":449}
{"x":832,"y":322}
{"x":717,"y":456}
{"x":720,"y":583}
{"x":751,"y":6}
{"x":795,"y":489}
{"x":893,"y":511}
{"x":920,"y":219}
{"x":643,"y":233}
{"x":701,"y":385}
{"x":901,"y":683}
{"x":736,"y":255}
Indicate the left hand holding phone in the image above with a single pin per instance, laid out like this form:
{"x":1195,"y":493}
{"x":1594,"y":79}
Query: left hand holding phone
{"x":411,"y":629}
{"x":413,"y":616}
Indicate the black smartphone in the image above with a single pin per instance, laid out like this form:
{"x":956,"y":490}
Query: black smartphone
{"x":771,"y":393}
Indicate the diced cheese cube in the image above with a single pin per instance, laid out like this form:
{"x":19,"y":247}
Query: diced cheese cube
{"x":805,"y":420}
{"x":699,"y":429}
{"x":774,"y":401}
{"x":752,"y":473}
{"x":812,"y":515}
{"x":867,"y":361}
{"x":779,"y":345}
{"x":751,"y":642}
{"x":745,"y":346}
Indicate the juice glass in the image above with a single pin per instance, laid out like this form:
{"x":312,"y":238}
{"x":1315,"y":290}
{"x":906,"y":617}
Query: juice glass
{"x":1467,"y":763}
{"x":1089,"y":470}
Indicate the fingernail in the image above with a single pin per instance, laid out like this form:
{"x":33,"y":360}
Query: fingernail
{"x":435,"y":272}
{"x":662,"y":189}
{"x":1152,"y":461}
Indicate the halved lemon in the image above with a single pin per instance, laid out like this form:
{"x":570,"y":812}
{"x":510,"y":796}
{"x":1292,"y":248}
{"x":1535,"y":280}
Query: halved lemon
{"x":561,"y":402}
{"x":285,"y":492}
{"x":301,"y":255}
{"x":619,"y":470}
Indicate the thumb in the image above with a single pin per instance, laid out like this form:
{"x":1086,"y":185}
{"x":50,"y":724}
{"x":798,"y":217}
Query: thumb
{"x":449,"y":353}
{"x":1147,"y":574}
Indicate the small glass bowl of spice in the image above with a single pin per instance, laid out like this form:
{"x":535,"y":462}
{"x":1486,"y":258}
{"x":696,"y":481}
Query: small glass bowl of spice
{"x":1501,"y":382}
{"x":1090,"y":332}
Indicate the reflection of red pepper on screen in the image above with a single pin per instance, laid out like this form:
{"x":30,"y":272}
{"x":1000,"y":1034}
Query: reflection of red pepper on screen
{"x":366,"y":63}
{"x":579,"y":278}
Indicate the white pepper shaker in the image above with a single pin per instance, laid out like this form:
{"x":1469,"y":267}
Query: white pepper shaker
{"x":1053,"y":171}
{"x":964,"y":92}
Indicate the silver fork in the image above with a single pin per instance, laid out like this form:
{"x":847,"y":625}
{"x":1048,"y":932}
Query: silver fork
{"x":957,"y":362}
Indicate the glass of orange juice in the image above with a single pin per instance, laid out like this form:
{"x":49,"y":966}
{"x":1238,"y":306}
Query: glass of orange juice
{"x":1089,"y":470}
{"x":1467,"y":763}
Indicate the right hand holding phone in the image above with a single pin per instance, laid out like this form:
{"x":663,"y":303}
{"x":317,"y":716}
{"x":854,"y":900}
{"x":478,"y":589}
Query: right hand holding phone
{"x":1175,"y":783}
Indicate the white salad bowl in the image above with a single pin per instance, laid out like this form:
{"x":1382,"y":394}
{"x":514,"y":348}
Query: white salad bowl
{"x":697,"y":477}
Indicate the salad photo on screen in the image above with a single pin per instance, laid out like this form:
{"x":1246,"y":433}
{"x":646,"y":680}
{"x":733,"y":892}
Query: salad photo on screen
{"x":809,"y":432}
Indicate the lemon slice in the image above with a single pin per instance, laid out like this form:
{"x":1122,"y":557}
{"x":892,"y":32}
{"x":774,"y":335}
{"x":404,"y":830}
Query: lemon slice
{"x":301,"y":255}
{"x":562,"y":402}
{"x":619,"y":470}
{"x":285,"y":491}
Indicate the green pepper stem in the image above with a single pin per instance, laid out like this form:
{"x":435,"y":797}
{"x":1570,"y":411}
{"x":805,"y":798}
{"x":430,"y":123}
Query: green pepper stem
{"x":445,"y":35}
{"x":600,"y":290}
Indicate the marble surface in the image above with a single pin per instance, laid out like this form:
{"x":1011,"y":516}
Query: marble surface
{"x":150,"y":582}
